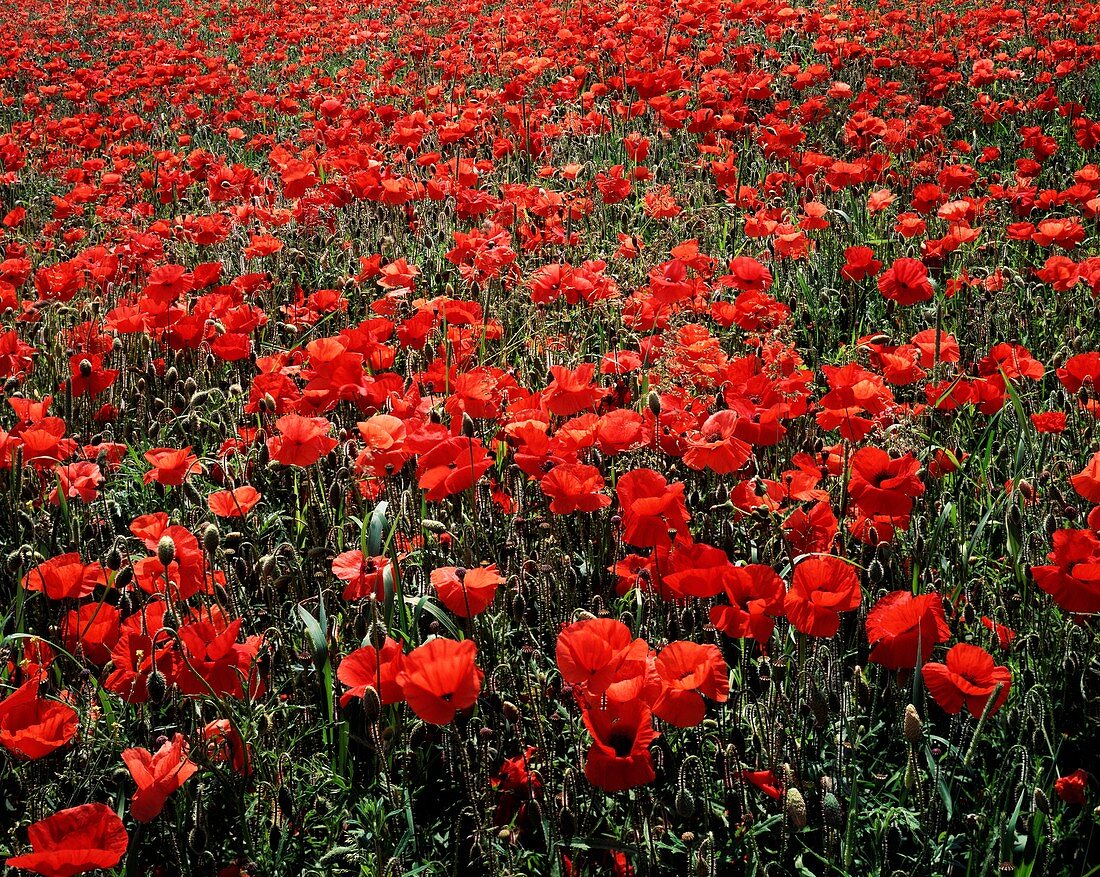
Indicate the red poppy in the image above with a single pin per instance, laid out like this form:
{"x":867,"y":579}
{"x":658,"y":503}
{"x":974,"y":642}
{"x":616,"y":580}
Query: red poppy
{"x":694,"y":570}
{"x":1087,"y":481}
{"x":210,"y":660}
{"x":906,"y":282}
{"x":689,"y":671}
{"x":363,"y":575}
{"x":171,"y":466}
{"x":452,"y":466}
{"x":87,"y":374}
{"x":716,"y":445}
{"x":572,"y":391}
{"x":592,"y":653}
{"x":1005,"y":635}
{"x":619,"y":757}
{"x":466,"y":592}
{"x":157,"y":776}
{"x":65,"y":577}
{"x":233,"y":503}
{"x":73,"y":841}
{"x":821,"y":588}
{"x":903,"y":630}
{"x":756,"y":594}
{"x":882,"y":485}
{"x":33,"y":726}
{"x":91,"y":631}
{"x":654,"y":511}
{"x":574,"y":487}
{"x":1073,"y":580}
{"x":374,"y":668}
{"x":301,"y":441}
{"x":1071,"y":788}
{"x":141,"y":648}
{"x":766,"y":781}
{"x":969,"y":677}
{"x":440,"y":678}
{"x":223,"y":743}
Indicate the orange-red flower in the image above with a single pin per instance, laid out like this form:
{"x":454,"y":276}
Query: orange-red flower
{"x":821,"y":588}
{"x":968,"y":678}
{"x":440,"y":678}
{"x":157,"y":776}
{"x":33,"y":726}
{"x":73,"y":841}
{"x":171,"y":466}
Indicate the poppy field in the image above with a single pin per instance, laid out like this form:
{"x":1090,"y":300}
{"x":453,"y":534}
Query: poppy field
{"x":550,"y":437}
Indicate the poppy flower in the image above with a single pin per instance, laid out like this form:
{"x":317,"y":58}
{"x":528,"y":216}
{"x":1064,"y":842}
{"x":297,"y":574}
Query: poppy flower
{"x":619,"y":757}
{"x":652,"y":509}
{"x":1073,"y":579}
{"x":466,"y":592}
{"x":452,"y":466}
{"x":1071,"y":788}
{"x":1005,"y":635}
{"x":756,"y":596}
{"x":968,"y":678}
{"x":234,"y":503}
{"x":74,"y":841}
{"x":222,"y":743}
{"x":171,"y":466}
{"x":91,"y":631}
{"x":572,"y":391}
{"x":693,"y":570}
{"x":689,"y":671}
{"x":374,"y":668}
{"x":65,"y":577}
{"x":1087,"y":481}
{"x":34,"y":726}
{"x":821,"y":588}
{"x":210,"y":660}
{"x":592,"y":653}
{"x":716,"y":445}
{"x":363,"y":575}
{"x":574,"y":487}
{"x":157,"y":776}
{"x":766,"y":781}
{"x":881,"y":485}
{"x":440,"y":678}
{"x":906,"y":282}
{"x":301,"y":441}
{"x":903,"y":630}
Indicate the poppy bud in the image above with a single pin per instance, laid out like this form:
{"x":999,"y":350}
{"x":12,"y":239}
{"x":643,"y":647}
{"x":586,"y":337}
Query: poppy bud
{"x":157,"y":686}
{"x":372,"y":705}
{"x":124,"y":577}
{"x":377,"y":635}
{"x":685,"y":804}
{"x":796,"y":808}
{"x":654,"y":403}
{"x":114,"y":560}
{"x":85,"y":368}
{"x":211,"y":539}
{"x":912,"y":727}
{"x":196,"y":839}
{"x":467,"y":425}
{"x":831,"y":810}
{"x":166,"y":550}
{"x":1042,"y":802}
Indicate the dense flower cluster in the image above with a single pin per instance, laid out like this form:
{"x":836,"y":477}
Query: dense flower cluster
{"x":518,"y":433}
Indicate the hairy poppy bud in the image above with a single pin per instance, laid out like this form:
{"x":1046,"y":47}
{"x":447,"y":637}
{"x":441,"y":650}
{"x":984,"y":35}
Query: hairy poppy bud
{"x":166,"y":550}
{"x":211,"y":539}
{"x":114,"y":560}
{"x":85,"y":368}
{"x":1042,"y":802}
{"x":831,"y":810}
{"x":372,"y":704}
{"x":467,"y":425}
{"x":911,"y":726}
{"x":653,"y":400}
{"x":157,"y":686}
{"x":796,"y":808}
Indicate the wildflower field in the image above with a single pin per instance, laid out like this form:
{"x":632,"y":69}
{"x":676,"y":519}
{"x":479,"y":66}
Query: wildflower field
{"x":550,"y":437}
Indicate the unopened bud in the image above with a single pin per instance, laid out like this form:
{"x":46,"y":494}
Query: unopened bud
{"x":166,"y":550}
